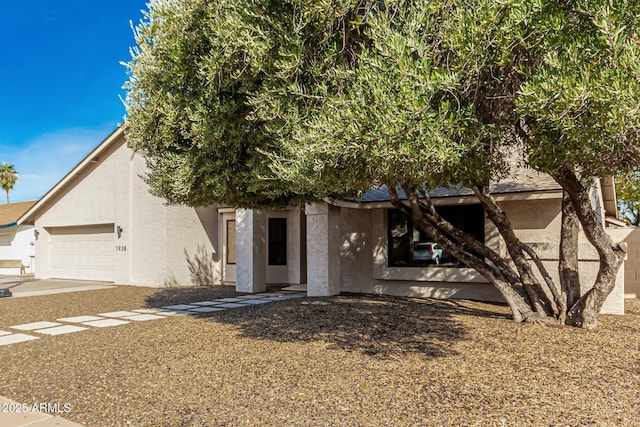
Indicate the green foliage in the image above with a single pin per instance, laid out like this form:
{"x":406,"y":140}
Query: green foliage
{"x":628,"y":193}
{"x":262,"y":103}
{"x":8,"y":178}
{"x":581,"y":100}
{"x":189,"y":99}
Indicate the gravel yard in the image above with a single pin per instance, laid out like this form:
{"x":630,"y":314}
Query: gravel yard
{"x":356,"y":360}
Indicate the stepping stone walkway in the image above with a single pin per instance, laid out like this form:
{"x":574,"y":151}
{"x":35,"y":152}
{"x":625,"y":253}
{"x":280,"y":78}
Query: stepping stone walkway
{"x":67,"y":325}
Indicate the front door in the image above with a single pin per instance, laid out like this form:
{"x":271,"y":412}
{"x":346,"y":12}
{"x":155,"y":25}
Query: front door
{"x":229,"y":247}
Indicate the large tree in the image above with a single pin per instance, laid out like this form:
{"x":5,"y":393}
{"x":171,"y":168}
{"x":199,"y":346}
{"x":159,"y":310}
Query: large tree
{"x":265,"y":103}
{"x":628,"y":195}
{"x":8,"y":178}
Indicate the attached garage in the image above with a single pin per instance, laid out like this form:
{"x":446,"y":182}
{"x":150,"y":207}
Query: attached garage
{"x":83,"y":252}
{"x":101,"y":223}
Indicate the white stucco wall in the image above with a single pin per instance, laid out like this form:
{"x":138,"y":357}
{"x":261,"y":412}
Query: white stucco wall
{"x":157,"y":242}
{"x":18,"y":242}
{"x":324,"y":258}
{"x":251,"y":250}
{"x":631,"y":236}
{"x":252,"y":270}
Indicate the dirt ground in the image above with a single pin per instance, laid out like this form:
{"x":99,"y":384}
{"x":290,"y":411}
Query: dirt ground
{"x":349,"y":360}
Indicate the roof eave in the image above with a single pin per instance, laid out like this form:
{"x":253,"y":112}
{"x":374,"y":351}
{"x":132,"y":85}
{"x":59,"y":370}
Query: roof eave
{"x":453,"y":200}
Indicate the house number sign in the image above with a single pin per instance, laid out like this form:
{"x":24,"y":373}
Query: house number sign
{"x":121,"y":248}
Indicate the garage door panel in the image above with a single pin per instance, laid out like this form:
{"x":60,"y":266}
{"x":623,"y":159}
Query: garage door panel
{"x":84,"y":253}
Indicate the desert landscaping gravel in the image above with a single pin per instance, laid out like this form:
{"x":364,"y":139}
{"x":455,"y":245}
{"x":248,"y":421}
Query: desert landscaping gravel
{"x":352,"y":360}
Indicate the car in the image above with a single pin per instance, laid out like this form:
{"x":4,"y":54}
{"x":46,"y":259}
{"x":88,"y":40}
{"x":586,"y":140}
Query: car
{"x":427,"y":252}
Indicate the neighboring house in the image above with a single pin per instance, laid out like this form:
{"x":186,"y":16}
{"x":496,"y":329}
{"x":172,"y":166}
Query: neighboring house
{"x":16,"y":241}
{"x":101,"y":223}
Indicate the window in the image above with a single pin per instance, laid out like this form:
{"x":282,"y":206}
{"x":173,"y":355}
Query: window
{"x":410,"y":247}
{"x":277,"y":241}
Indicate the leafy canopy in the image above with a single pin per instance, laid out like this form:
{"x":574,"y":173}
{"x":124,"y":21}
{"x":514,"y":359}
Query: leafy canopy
{"x":262,"y":103}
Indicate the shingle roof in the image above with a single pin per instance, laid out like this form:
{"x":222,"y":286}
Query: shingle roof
{"x":521,"y":180}
{"x":10,"y":213}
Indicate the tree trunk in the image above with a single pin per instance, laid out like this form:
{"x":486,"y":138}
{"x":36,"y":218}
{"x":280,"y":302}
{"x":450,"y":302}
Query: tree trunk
{"x":585,"y":311}
{"x":455,"y":242}
{"x":543,"y":302}
{"x":568,"y":265}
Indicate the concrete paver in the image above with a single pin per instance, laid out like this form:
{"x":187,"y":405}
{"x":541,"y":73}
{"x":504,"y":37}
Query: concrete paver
{"x":206,"y":309}
{"x":256,"y":301}
{"x":35,"y":325}
{"x":207,"y":303}
{"x":143,"y":317}
{"x":59,"y":330}
{"x":16,"y":338}
{"x":274,"y":298}
{"x":105,"y":323}
{"x":151,"y":310}
{"x":291,"y":296}
{"x":79,"y":319}
{"x":118,"y":314}
{"x":180,"y":307}
{"x":176,"y":313}
{"x":231,"y":305}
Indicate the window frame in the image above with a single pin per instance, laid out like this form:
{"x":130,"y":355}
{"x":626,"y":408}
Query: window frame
{"x":461,"y":216}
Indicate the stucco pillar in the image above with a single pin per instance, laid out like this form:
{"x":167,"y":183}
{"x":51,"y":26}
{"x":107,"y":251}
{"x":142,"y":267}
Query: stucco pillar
{"x":251,"y":251}
{"x":323,"y":249}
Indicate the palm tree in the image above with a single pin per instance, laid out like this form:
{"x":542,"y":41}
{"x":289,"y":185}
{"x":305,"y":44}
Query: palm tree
{"x":8,"y":178}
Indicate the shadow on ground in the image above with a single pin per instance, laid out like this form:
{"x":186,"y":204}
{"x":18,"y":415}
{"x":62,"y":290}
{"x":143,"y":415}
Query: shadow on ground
{"x":382,"y":326}
{"x":185,"y":295}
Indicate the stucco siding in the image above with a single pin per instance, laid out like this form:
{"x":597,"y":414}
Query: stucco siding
{"x":89,"y":199}
{"x":631,"y":236}
{"x":356,"y":250}
{"x":364,"y":256}
{"x":153,"y":243}
{"x":191,"y":254}
{"x":146,"y":234}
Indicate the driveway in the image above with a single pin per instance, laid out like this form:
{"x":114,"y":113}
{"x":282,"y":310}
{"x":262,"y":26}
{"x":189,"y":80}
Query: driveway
{"x":23,"y":286}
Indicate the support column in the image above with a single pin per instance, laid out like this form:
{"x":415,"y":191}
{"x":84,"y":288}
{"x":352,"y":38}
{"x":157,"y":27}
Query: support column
{"x":251,"y":251}
{"x":323,"y":249}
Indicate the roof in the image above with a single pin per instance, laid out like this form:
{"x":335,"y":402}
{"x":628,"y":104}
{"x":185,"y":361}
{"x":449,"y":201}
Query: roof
{"x":522,"y":180}
{"x":86,"y":163}
{"x":9,"y":214}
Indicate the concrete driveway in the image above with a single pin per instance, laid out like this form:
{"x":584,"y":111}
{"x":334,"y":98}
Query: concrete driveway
{"x":25,"y":286}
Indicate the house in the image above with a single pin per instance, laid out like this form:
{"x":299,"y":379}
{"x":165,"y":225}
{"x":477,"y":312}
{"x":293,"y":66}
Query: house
{"x":100,"y":223}
{"x":16,"y":241}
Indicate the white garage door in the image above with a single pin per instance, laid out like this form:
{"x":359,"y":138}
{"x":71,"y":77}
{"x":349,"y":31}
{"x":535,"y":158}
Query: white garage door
{"x":83,"y":253}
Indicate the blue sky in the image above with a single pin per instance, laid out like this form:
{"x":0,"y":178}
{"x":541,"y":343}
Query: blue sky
{"x":62,"y":78}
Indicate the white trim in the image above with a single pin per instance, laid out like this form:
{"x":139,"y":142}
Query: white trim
{"x":226,"y":210}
